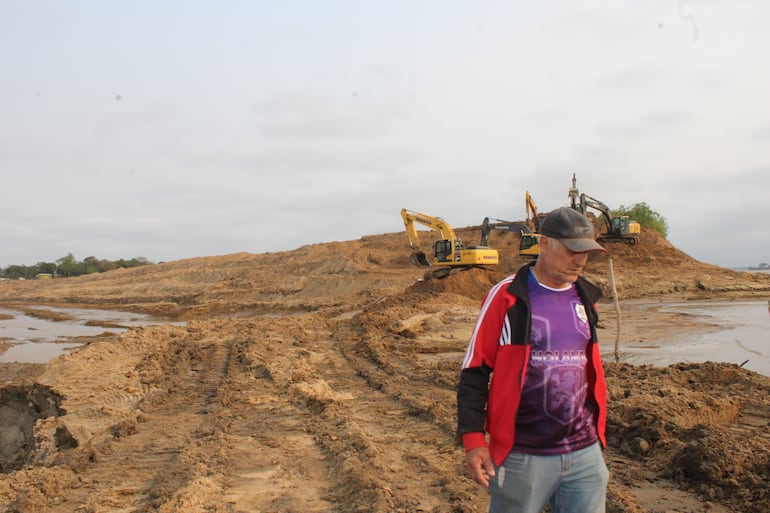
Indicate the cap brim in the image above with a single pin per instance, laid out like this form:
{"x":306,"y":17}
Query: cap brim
{"x":582,"y":245}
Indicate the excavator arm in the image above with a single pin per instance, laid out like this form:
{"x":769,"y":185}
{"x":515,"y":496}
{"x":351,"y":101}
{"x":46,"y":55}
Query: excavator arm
{"x":432,"y":222}
{"x":532,"y":220}
{"x":588,"y":201}
{"x":619,"y":229}
{"x":499,"y":224}
{"x":411,"y":219}
{"x":449,"y":251}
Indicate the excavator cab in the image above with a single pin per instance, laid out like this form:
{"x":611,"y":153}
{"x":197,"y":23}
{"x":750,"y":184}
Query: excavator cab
{"x":529,"y":245}
{"x":623,"y":225}
{"x":442,"y":249}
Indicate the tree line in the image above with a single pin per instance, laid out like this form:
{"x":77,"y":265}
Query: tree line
{"x":68,"y":266}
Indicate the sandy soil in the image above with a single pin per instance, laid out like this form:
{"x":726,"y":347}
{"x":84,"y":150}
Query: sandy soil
{"x":322,"y":380}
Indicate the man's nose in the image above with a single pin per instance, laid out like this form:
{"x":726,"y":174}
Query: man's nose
{"x":581,"y":258}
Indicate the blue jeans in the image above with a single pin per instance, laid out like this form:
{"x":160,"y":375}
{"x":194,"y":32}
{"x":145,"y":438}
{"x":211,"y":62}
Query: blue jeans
{"x":571,"y":483}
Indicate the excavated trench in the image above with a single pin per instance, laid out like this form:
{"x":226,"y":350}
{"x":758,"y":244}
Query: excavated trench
{"x":20,"y":407}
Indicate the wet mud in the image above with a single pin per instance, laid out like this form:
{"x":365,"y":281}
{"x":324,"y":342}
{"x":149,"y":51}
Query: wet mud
{"x":323,"y":380}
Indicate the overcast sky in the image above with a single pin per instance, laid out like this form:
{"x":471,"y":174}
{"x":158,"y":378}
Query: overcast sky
{"x":178,"y":129}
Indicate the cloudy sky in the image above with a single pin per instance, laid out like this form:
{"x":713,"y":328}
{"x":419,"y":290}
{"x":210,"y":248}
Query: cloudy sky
{"x":178,"y":129}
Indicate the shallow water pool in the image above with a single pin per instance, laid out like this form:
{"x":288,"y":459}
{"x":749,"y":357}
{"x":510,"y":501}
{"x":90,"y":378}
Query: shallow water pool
{"x":741,"y":335}
{"x":38,"y":340}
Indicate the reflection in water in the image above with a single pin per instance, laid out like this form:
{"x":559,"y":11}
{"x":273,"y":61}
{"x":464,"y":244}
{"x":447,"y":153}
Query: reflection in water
{"x":741,"y":337}
{"x":36,"y":352}
{"x":39,"y":340}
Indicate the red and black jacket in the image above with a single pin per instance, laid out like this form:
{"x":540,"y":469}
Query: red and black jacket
{"x":495,"y":365}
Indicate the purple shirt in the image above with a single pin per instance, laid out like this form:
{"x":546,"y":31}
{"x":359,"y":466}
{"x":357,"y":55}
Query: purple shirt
{"x":554,"y":416}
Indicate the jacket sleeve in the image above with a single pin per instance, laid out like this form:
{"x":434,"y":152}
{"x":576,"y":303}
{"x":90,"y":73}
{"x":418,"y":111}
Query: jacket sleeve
{"x":489,"y":332}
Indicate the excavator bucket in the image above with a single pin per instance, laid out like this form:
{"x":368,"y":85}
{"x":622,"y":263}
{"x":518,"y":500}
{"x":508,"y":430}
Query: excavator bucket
{"x":419,"y":259}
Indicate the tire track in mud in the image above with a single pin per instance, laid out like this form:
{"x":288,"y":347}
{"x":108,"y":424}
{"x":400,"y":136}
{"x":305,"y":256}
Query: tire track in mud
{"x":428,"y":401}
{"x":372,"y":450}
{"x":146,"y":461}
{"x":271,"y":460}
{"x":399,"y":454}
{"x":193,"y":472}
{"x":303,"y":455}
{"x":429,"y":455}
{"x":752,"y":423}
{"x":424,"y":421}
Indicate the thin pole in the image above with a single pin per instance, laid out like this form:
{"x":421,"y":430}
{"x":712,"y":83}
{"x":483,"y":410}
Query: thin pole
{"x":617,"y":309}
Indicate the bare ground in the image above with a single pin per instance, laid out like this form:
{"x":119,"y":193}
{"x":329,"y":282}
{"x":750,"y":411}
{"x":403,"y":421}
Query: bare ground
{"x":322,"y":380}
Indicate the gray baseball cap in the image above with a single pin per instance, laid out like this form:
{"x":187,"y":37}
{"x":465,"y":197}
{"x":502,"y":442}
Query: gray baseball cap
{"x":572,"y":229}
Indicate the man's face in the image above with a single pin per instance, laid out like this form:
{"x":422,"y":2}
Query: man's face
{"x":557,"y":265}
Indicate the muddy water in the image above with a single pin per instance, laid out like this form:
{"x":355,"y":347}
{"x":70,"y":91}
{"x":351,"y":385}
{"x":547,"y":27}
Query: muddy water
{"x":36,"y":340}
{"x":741,"y":335}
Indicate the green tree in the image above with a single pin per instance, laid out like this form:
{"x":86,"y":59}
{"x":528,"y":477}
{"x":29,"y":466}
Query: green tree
{"x":67,"y":265}
{"x":645,"y":216}
{"x":14,"y":272}
{"x":90,"y":265}
{"x":47,"y":267}
{"x":134,"y":262}
{"x":106,"y":265}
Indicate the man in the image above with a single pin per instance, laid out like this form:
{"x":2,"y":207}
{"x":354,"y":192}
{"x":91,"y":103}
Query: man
{"x":532,"y":379}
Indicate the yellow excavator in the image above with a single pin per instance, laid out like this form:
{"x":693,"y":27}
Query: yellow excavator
{"x":619,"y":229}
{"x":529,"y":245}
{"x":533,"y":218}
{"x":449,"y":253}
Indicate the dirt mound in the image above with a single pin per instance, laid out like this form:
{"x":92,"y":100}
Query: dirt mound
{"x":473,"y":283}
{"x":356,"y":272}
{"x":331,"y":369}
{"x":688,"y":423}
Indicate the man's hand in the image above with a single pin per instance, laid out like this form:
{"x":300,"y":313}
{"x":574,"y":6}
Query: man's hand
{"x":479,"y":464}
